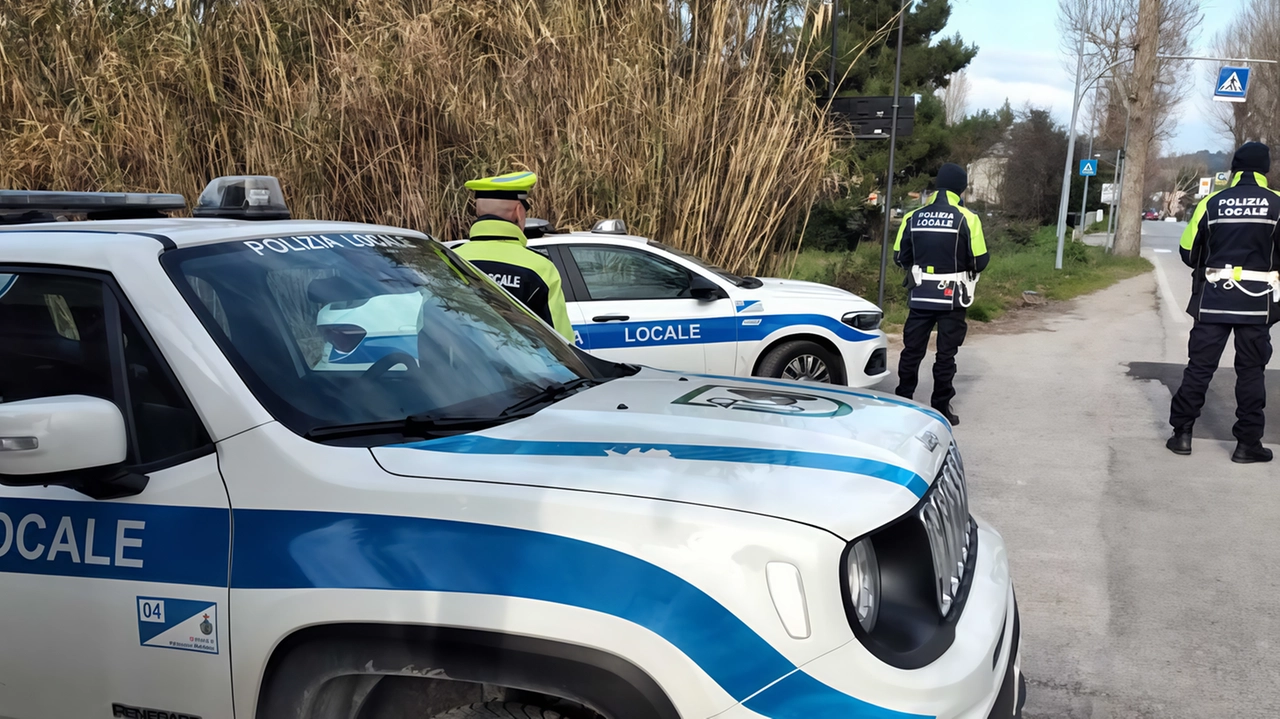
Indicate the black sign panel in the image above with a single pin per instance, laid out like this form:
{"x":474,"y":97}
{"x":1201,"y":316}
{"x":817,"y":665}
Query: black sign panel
{"x":872,"y":117}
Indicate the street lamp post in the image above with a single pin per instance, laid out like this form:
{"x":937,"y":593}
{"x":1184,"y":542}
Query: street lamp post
{"x":1071,"y":153}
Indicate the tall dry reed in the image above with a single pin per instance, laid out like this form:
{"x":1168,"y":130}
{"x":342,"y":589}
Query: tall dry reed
{"x":678,"y":116}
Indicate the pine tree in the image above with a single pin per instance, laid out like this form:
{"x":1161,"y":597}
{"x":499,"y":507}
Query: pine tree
{"x":866,"y":52}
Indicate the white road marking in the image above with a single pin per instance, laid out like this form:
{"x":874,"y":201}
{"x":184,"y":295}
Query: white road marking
{"x":1166,"y":295}
{"x":1163,"y":252}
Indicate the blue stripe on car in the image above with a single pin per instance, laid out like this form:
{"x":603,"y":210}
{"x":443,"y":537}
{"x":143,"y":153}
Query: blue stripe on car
{"x":479,"y":444}
{"x":137,"y":542}
{"x":291,"y":550}
{"x":746,"y":328}
{"x":286,"y":550}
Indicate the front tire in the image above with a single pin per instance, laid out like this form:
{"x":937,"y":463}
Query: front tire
{"x":802,"y":360}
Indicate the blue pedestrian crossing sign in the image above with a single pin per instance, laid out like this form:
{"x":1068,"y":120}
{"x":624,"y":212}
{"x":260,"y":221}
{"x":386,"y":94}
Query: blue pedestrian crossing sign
{"x":1088,"y":168}
{"x":1233,"y":84}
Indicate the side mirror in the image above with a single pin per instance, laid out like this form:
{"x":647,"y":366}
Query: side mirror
{"x":704,"y":290}
{"x":71,"y":441}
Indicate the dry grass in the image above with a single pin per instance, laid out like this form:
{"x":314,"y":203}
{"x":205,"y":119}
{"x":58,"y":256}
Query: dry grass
{"x":678,"y":116}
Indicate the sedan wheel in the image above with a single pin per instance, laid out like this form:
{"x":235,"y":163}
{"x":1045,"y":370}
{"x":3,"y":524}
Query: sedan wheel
{"x":807,"y":368}
{"x":802,"y":360}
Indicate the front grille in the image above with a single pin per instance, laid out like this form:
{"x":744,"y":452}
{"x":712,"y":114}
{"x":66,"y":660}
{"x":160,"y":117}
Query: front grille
{"x":945,"y":515}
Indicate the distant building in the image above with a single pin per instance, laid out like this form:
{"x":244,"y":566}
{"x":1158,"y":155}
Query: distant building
{"x":986,"y":174}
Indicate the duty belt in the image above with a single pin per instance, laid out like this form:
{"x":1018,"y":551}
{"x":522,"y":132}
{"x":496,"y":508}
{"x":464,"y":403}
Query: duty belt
{"x":968,"y":280}
{"x":1232,"y":276}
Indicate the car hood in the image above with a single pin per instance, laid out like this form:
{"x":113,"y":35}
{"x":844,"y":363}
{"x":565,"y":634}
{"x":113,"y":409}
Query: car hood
{"x":799,"y":289}
{"x":843,"y":460}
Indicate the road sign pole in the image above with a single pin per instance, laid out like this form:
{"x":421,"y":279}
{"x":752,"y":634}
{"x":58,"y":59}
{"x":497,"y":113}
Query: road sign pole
{"x":893,"y":145}
{"x":1111,"y":221}
{"x":1084,"y":200}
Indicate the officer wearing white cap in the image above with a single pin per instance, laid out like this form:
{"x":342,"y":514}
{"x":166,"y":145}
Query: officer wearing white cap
{"x":942,"y":247}
{"x":498,"y":247}
{"x":1233,"y":247}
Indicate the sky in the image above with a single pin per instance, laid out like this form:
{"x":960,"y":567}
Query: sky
{"x":1021,"y":57}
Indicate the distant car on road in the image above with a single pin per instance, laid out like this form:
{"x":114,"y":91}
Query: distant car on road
{"x":1150,"y":215}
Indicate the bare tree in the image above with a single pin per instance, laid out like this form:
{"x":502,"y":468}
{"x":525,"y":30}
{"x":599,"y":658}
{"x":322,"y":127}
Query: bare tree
{"x":1255,"y":33}
{"x":1142,"y":90}
{"x":955,"y":98}
{"x":1143,"y":124}
{"x":1110,"y":31}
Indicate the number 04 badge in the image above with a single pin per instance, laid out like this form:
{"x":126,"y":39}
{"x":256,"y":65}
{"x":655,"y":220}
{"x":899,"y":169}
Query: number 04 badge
{"x":187,"y":624}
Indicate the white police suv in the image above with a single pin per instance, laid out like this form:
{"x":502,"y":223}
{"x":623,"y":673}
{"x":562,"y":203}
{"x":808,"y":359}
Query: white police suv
{"x":196,"y":520}
{"x":637,"y":300}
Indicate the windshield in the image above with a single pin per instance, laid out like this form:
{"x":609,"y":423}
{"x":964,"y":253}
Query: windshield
{"x":735,"y":279}
{"x":341,"y":329}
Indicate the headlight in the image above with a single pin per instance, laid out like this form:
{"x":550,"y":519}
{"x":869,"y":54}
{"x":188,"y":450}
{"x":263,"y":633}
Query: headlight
{"x":865,"y":321}
{"x":863,"y":572}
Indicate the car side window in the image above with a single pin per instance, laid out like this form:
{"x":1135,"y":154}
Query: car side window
{"x":53,"y":338}
{"x":164,"y":422}
{"x":618,"y":273}
{"x":63,"y":334}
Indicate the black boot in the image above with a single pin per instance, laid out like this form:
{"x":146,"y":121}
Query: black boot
{"x":945,"y":411}
{"x":1180,"y":442}
{"x":1250,"y":453}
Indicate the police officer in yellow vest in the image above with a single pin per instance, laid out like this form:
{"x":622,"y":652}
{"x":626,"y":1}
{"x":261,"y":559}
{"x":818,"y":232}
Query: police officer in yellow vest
{"x":1232,"y":245}
{"x":498,"y":248}
{"x":942,"y":248}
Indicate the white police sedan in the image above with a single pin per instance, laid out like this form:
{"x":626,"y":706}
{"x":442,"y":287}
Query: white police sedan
{"x":637,"y":300}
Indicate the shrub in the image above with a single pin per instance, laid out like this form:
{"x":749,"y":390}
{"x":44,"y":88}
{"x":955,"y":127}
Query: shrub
{"x":684,"y":118}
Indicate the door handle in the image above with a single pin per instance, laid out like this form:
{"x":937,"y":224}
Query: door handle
{"x":611,"y":318}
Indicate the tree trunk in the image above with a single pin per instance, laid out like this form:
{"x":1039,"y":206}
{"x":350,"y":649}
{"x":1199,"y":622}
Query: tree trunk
{"x":1145,"y":64}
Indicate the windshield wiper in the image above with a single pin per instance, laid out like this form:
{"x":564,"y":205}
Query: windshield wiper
{"x":550,"y":394}
{"x":418,"y":425}
{"x":429,"y":425}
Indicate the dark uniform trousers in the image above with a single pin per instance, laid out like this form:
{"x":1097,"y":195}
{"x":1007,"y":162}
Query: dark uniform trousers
{"x":952,"y":327}
{"x":1204,"y":350}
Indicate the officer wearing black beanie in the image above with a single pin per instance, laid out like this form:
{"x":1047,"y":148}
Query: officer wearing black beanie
{"x":1232,"y":246}
{"x":942,"y":247}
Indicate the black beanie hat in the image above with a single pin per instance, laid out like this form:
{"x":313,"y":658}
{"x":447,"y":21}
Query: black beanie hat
{"x":952,"y":177}
{"x":1252,"y":157}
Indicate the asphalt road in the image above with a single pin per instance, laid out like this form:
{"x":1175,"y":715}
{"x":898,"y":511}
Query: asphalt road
{"x":1149,"y":583}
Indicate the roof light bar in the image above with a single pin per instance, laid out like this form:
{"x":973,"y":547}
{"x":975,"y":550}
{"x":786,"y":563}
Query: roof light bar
{"x":610,"y":227}
{"x":243,"y":197}
{"x":48,"y":206}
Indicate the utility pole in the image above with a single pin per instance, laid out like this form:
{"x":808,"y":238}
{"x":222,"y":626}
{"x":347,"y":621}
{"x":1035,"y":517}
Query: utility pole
{"x":1071,"y":151}
{"x":893,"y":146}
